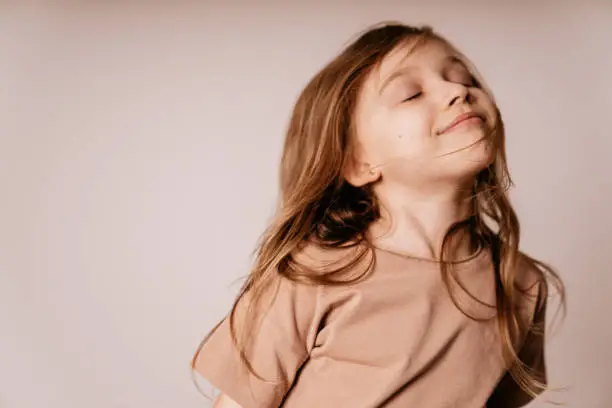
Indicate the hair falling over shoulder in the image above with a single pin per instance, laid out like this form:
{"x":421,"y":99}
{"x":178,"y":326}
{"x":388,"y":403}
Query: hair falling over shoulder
{"x":318,"y":205}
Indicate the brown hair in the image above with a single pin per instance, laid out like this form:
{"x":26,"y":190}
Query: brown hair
{"x":318,"y":204}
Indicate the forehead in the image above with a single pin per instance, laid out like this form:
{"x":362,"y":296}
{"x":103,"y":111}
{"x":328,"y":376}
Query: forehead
{"x":414,"y":54}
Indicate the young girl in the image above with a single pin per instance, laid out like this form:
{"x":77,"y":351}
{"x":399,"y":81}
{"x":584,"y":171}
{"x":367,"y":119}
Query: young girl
{"x":391,"y":275}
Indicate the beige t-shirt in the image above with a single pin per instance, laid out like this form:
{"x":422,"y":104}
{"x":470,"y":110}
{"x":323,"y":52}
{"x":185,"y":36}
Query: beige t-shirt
{"x":394,"y":340}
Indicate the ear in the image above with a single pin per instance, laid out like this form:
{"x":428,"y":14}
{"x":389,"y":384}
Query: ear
{"x":360,"y":174}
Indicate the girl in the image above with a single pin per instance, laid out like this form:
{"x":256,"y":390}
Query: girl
{"x":391,"y":275}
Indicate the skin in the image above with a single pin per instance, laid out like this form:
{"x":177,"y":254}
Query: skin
{"x":422,"y":177}
{"x":223,"y":401}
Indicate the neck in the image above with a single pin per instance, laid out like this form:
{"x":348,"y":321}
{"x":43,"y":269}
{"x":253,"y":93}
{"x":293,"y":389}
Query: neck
{"x":415,"y":223}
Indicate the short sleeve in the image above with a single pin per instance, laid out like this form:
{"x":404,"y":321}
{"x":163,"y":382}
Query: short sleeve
{"x":508,"y":394}
{"x":276,"y":349}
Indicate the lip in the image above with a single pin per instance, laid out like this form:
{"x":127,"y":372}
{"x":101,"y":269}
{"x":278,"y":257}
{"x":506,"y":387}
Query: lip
{"x":460,"y":118}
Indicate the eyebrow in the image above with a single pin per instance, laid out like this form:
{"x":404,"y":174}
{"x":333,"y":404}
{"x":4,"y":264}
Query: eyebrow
{"x":398,"y":73}
{"x":449,"y":60}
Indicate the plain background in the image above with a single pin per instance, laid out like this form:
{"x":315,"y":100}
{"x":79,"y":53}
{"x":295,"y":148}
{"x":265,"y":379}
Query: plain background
{"x":139,"y":144}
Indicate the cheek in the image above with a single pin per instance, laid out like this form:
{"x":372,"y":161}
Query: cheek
{"x":397,"y":133}
{"x":488,"y":107}
{"x":410,"y":131}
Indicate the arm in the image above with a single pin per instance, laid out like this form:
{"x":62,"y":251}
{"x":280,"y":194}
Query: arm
{"x":223,"y":401}
{"x":283,"y":327}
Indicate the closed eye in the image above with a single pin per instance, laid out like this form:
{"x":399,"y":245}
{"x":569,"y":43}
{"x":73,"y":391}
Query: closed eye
{"x":471,"y":82}
{"x":465,"y":79}
{"x":414,"y":96}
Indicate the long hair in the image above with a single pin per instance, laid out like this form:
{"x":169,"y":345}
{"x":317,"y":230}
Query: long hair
{"x":317,"y":204}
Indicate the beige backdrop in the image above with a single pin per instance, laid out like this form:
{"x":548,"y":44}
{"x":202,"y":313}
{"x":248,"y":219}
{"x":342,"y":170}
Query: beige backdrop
{"x":138,"y":152}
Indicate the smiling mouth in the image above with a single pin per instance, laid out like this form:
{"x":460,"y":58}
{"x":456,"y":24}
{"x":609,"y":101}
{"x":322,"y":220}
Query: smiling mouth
{"x":468,"y":119}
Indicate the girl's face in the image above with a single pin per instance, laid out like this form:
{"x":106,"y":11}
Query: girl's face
{"x":421,"y":119}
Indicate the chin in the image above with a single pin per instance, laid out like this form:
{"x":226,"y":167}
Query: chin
{"x":468,"y":162}
{"x":483,"y":151}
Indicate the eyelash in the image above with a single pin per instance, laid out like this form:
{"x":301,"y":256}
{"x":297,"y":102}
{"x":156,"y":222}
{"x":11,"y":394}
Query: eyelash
{"x":413,"y":97}
{"x":471,"y":83}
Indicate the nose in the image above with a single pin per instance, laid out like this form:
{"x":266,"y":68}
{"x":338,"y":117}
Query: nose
{"x":457,"y":94}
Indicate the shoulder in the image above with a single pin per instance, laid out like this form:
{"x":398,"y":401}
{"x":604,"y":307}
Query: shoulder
{"x":332,"y":265}
{"x":298,"y":286}
{"x":316,"y":261}
{"x":315,"y":254}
